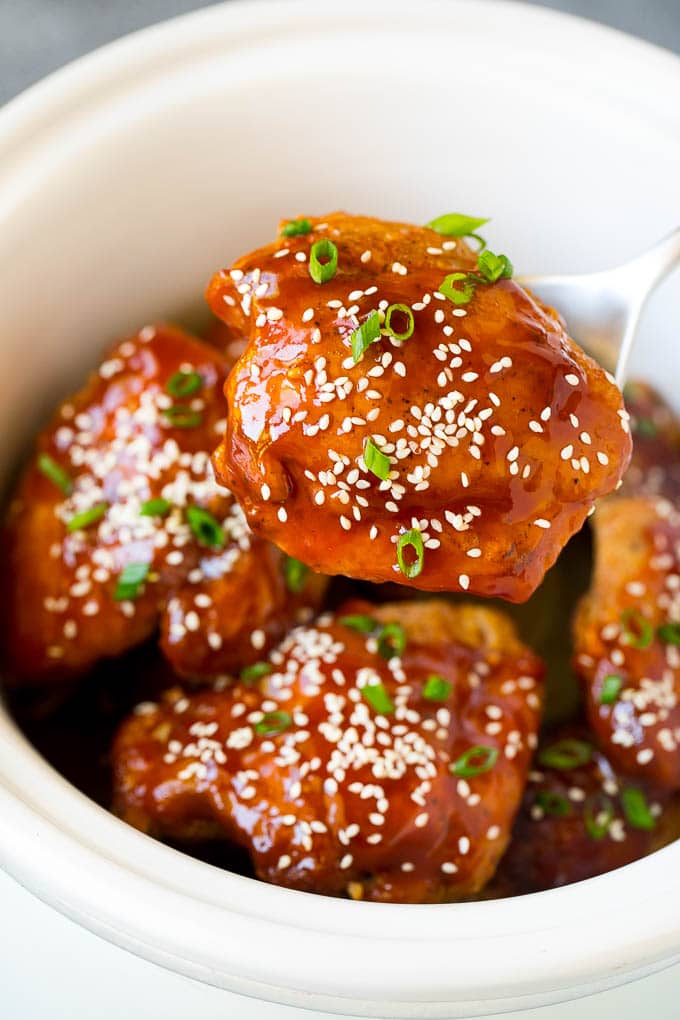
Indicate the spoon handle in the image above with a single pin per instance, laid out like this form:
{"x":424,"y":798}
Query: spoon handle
{"x":639,"y":278}
{"x":650,"y":268}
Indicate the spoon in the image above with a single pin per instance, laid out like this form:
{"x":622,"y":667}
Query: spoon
{"x":603,"y":309}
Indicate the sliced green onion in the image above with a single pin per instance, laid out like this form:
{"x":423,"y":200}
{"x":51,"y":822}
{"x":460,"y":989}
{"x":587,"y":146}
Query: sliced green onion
{"x":494,"y":267}
{"x":87,"y":517}
{"x":322,"y":272}
{"x":669,"y":633}
{"x":207,"y":530}
{"x":130,"y":580}
{"x":391,"y":640}
{"x":459,"y":295}
{"x":411,"y":540}
{"x":255,"y":671}
{"x":295,"y":574}
{"x":155,"y":507}
{"x":364,"y":335}
{"x":378,"y":698}
{"x":644,"y":427}
{"x":50,"y":469}
{"x":475,"y":761}
{"x":598,"y":814}
{"x":184,"y":384}
{"x":377,"y":462}
{"x":182,"y":417}
{"x":566,"y":754}
{"x":359,"y":622}
{"x":637,"y":631}
{"x":437,"y":688}
{"x":636,"y":809}
{"x":456,"y":224}
{"x":553,"y":804}
{"x":294,"y":228}
{"x":611,"y":686}
{"x":410,"y":321}
{"x":273,"y":722}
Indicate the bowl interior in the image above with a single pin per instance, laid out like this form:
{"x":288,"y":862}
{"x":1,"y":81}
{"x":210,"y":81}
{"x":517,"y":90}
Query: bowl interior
{"x":126,"y":180}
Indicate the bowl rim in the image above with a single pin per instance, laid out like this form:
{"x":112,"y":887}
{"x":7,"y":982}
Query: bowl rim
{"x":369,"y":959}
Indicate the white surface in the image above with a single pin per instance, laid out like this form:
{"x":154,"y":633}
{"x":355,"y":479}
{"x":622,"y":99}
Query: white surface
{"x":123,"y":183}
{"x":52,"y":969}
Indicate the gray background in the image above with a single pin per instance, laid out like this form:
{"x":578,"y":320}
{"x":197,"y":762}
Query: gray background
{"x":37,"y":36}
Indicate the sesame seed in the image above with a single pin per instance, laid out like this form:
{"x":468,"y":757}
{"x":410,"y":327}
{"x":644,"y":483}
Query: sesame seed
{"x":258,"y":639}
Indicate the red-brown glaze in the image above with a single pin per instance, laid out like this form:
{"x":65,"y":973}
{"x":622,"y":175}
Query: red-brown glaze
{"x":635,"y":591}
{"x":655,"y":465}
{"x":573,"y":823}
{"x":219,"y":606}
{"x":348,"y":799}
{"x":501,"y":433}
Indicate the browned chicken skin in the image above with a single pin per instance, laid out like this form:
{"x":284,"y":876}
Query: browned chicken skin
{"x":382,"y":753}
{"x":464,"y":456}
{"x":121,"y":480}
{"x":579,"y":818}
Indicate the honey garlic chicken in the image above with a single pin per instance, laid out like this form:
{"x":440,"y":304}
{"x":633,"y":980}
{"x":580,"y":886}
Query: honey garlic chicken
{"x":380,"y":752}
{"x":655,"y":465}
{"x":118,"y":523}
{"x":404,"y":411}
{"x":627,"y":637}
{"x":627,"y":628}
{"x":579,"y":818}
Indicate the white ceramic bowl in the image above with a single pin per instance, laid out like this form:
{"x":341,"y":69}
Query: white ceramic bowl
{"x":124,"y":181}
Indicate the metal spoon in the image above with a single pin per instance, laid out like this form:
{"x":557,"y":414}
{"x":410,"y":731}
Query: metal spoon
{"x":602,"y":309}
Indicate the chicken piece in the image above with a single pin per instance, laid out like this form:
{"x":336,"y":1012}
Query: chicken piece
{"x":579,"y":819}
{"x":461,"y":458}
{"x":627,"y":638}
{"x":382,"y":753}
{"x":655,"y":465}
{"x":118,"y":522}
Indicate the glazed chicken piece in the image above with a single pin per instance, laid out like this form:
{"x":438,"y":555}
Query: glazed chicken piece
{"x":380,"y":753}
{"x":627,"y":638}
{"x":405,"y":419}
{"x":655,"y":465}
{"x":579,"y":818}
{"x":118,"y":523}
